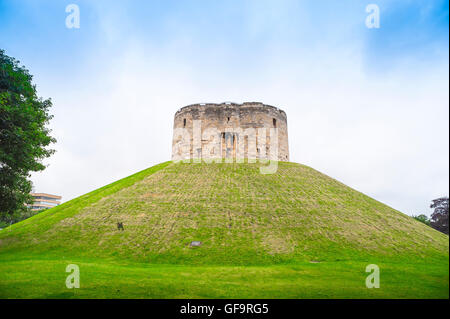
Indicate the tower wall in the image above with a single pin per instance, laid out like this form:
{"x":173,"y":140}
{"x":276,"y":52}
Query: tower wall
{"x":231,"y":131}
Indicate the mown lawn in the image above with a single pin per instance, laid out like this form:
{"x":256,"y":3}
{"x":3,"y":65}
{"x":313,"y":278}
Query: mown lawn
{"x":45,"y":278}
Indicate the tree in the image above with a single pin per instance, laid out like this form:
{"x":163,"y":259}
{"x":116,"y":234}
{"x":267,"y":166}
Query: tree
{"x":439,"y":218}
{"x":24,"y":136}
{"x":17,"y":216}
{"x":422,"y":218}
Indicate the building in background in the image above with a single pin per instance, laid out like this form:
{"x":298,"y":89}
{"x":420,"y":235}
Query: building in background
{"x":44,"y":201}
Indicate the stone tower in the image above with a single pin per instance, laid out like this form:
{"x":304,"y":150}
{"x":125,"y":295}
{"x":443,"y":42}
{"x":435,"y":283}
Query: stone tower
{"x":230,"y":131}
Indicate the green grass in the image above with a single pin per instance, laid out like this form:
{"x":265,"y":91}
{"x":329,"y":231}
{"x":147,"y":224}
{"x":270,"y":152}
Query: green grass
{"x":260,"y":235}
{"x":99,"y":279}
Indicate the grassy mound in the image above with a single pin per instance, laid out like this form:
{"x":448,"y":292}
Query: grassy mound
{"x":243,"y":220}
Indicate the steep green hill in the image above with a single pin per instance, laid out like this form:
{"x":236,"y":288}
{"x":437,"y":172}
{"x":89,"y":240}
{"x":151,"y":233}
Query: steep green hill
{"x":242,"y":218}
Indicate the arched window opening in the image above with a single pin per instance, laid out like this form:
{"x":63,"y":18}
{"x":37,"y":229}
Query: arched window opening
{"x":184,"y":122}
{"x":274,"y":123}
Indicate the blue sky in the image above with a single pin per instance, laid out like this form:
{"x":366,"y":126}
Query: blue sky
{"x":366,"y":106}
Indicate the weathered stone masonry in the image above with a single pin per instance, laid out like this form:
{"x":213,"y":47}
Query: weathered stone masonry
{"x":251,"y":130}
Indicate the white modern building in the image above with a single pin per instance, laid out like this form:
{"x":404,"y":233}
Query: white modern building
{"x":44,"y":201}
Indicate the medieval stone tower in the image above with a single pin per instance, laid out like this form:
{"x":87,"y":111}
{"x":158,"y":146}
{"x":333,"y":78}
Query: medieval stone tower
{"x":230,"y":131}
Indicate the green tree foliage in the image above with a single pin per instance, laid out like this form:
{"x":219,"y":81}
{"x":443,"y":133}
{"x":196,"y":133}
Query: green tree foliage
{"x":423,"y":219}
{"x":24,"y":136}
{"x":439,"y":218}
{"x":17,"y":216}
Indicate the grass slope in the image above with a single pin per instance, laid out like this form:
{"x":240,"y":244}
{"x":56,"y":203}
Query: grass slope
{"x":260,"y":235}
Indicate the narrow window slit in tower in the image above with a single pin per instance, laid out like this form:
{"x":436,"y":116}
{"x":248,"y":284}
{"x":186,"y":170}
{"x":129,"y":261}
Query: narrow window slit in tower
{"x":274,"y":123}
{"x":223,"y":146}
{"x":184,"y":122}
{"x":234,"y":146}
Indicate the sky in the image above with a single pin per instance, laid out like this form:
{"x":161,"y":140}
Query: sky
{"x":366,"y":106}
